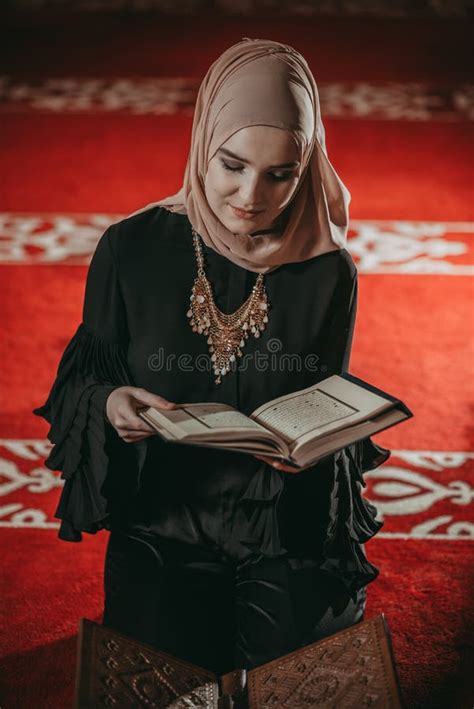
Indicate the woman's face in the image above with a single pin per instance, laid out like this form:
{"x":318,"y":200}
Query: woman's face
{"x":257,"y":170}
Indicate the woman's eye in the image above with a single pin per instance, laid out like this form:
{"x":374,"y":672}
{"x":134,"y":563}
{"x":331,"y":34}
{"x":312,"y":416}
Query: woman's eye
{"x":229,"y":167}
{"x":282,"y":177}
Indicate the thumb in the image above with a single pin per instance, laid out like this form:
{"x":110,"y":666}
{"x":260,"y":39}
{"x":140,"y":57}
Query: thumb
{"x":159,"y":402}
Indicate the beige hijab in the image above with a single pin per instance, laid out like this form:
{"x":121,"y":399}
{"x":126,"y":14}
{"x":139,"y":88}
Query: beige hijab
{"x":261,"y":82}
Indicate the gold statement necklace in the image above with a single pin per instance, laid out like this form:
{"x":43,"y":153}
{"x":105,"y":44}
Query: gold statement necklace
{"x":226,"y":333}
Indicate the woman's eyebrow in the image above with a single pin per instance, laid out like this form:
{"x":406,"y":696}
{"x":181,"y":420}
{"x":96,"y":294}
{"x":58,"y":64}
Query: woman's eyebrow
{"x":229,"y":154}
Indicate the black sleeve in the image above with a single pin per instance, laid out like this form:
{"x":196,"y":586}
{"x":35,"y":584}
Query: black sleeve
{"x":335,"y":353}
{"x":352,"y":518}
{"x":335,"y":344}
{"x":87,"y":449}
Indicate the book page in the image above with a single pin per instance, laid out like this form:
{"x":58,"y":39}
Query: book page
{"x":215,"y":416}
{"x":303,"y":413}
{"x":331,"y":404}
{"x":336,"y":440}
{"x":191,"y":420}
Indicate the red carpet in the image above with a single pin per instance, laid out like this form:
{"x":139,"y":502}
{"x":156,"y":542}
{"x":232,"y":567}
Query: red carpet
{"x":66,"y":172}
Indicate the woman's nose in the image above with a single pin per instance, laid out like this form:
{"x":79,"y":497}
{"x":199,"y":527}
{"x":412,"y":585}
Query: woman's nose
{"x":251,"y":194}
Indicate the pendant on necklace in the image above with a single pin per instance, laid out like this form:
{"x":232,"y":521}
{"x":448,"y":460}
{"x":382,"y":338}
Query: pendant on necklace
{"x":226,"y":333}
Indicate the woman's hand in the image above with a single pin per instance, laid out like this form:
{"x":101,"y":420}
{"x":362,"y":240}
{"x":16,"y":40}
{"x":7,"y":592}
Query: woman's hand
{"x":121,"y":410}
{"x":278,"y":465}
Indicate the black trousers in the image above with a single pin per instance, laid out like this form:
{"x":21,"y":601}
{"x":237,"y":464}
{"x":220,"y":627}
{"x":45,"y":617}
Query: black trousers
{"x":216,"y":612}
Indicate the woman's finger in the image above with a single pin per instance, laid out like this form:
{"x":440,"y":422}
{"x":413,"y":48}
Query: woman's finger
{"x":136,"y":423}
{"x":142,"y":396}
{"x":131,"y":422}
{"x":278,"y":465}
{"x":133,"y":437}
{"x":270,"y":461}
{"x":286,"y":468}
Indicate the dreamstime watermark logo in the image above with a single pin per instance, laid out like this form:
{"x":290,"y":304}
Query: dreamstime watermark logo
{"x":273,"y":360}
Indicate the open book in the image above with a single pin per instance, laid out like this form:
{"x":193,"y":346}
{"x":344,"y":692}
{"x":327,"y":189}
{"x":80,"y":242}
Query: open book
{"x":299,"y":428}
{"x":352,"y":669}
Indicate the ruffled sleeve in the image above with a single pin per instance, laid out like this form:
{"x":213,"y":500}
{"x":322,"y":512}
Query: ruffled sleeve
{"x":87,"y":449}
{"x":352,"y":518}
{"x":324,"y":515}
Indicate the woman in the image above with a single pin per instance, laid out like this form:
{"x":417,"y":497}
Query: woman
{"x":224,"y":559}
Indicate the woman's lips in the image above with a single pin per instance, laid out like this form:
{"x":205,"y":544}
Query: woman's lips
{"x":244,"y":215}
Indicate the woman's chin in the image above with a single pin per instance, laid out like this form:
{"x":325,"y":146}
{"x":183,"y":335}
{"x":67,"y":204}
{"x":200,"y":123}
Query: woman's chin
{"x":236,"y":227}
{"x":242,"y":227}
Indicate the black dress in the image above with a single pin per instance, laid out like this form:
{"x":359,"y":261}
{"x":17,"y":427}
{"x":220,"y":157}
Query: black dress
{"x":213,"y":555}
